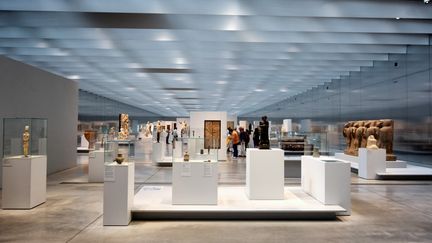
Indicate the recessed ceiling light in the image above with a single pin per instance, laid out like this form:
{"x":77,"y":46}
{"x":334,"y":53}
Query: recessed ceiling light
{"x":73,"y":77}
{"x":259,"y":90}
{"x":221,"y":82}
{"x":397,"y":17}
{"x":180,"y":61}
{"x":133,"y":65}
{"x":283,"y":90}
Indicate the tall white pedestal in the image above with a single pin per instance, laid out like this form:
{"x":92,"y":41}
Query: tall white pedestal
{"x":156,"y":152}
{"x":371,"y":162}
{"x":195,"y":183}
{"x":328,"y":182}
{"x":118,"y":193}
{"x":96,"y":166}
{"x":265,"y":173}
{"x":178,"y":150}
{"x":24,"y":182}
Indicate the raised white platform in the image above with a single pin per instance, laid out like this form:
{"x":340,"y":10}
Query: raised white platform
{"x":329,"y":181}
{"x":356,"y":159}
{"x":24,"y":182}
{"x":154,"y":202}
{"x":96,"y":167}
{"x":265,"y":173}
{"x":195,"y":183}
{"x":118,"y":193}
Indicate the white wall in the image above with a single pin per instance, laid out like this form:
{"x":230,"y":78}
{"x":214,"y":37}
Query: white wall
{"x":197,"y":124}
{"x":26,"y":91}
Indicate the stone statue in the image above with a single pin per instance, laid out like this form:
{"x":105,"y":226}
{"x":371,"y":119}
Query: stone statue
{"x":122,"y":135}
{"x":316,"y":153}
{"x":371,"y":142}
{"x":148,"y":131}
{"x":112,"y":133}
{"x":386,"y":138}
{"x":264,"y":136}
{"x":358,"y":135}
{"x":25,"y":141}
{"x":158,"y":131}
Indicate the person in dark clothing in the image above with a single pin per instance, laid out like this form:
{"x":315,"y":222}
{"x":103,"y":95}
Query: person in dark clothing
{"x":256,"y":138}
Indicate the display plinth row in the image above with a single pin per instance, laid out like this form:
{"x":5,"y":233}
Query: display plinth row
{"x":24,"y":162}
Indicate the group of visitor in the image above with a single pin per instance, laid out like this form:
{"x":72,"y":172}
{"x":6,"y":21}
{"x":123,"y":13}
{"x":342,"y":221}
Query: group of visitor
{"x":238,"y":141}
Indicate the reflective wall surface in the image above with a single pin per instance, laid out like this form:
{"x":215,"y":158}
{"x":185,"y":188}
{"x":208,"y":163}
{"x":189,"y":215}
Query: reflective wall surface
{"x":398,"y":89}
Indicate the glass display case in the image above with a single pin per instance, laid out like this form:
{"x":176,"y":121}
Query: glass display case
{"x":24,"y":137}
{"x":119,"y":151}
{"x":193,"y":150}
{"x":303,"y":143}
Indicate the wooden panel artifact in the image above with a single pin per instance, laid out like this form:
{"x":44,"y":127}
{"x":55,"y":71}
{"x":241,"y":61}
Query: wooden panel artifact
{"x":356,"y":134}
{"x":212,"y":134}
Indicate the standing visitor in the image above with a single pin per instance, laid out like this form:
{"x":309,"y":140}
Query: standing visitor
{"x":235,"y":142}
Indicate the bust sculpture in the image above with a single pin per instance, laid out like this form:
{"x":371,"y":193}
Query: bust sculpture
{"x":264,"y":136}
{"x":371,"y":142}
{"x":25,"y":141}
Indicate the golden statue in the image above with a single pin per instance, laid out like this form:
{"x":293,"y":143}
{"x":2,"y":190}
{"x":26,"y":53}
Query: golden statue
{"x":25,"y":141}
{"x":124,"y":124}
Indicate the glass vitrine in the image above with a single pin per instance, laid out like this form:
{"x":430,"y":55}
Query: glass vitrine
{"x":24,"y":137}
{"x":119,"y":151}
{"x":193,"y":150}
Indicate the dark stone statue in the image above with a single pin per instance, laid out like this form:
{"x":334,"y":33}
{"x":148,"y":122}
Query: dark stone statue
{"x":264,"y":142}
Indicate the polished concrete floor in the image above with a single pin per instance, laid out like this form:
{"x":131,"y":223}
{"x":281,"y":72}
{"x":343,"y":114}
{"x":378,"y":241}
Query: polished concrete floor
{"x":383,"y":211}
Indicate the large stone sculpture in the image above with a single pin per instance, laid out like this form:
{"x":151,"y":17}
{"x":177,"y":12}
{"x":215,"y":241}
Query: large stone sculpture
{"x":264,"y":133}
{"x":357,"y":135}
{"x":25,"y":141}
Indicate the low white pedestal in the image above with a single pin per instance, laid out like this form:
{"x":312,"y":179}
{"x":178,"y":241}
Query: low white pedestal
{"x":328,"y":182}
{"x":356,"y":159}
{"x":118,"y":193}
{"x":372,"y":161}
{"x":156,"y":152}
{"x":178,"y":151}
{"x":195,"y":183}
{"x":265,"y":173}
{"x":24,"y":182}
{"x":96,"y":166}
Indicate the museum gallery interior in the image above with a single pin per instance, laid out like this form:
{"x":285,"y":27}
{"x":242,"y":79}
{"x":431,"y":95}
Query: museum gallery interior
{"x":215,"y":121}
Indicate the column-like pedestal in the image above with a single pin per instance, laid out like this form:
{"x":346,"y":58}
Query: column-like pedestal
{"x":24,"y":182}
{"x":178,"y":151}
{"x":195,"y":183}
{"x":371,"y":162}
{"x":118,"y":193}
{"x":328,"y":181}
{"x":265,"y":173}
{"x":156,"y":152}
{"x":96,"y":166}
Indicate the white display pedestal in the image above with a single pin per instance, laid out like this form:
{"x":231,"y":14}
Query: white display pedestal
{"x":24,"y":182}
{"x":328,"y":182}
{"x":356,"y":159}
{"x":265,"y":173}
{"x":96,"y":166}
{"x":178,"y":151}
{"x":156,"y":152}
{"x":372,"y":161}
{"x":195,"y":183}
{"x":118,"y":193}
